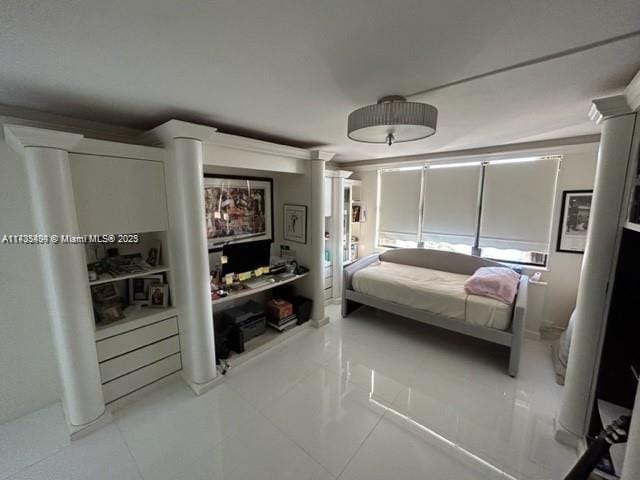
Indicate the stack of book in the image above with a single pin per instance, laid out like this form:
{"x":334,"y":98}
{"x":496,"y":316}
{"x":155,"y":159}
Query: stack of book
{"x":284,"y":323}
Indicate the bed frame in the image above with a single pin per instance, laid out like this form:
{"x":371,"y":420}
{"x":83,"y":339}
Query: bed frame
{"x":448,"y":262}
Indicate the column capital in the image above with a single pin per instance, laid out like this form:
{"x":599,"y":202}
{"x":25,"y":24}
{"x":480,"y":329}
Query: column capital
{"x":20,"y":137}
{"x":321,"y":155}
{"x":632,"y":92}
{"x":167,"y":132}
{"x":608,"y":107}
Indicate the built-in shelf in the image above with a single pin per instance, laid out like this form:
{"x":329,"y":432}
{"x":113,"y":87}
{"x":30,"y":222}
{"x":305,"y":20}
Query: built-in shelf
{"x":238,"y":294}
{"x":632,"y":226}
{"x":269,"y":339}
{"x":135,"y":319}
{"x":107,"y":278}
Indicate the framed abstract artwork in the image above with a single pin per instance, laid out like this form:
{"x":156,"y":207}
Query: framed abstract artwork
{"x":237,"y":209}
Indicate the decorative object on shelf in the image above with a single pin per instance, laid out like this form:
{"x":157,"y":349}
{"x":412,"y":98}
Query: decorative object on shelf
{"x":574,"y":220}
{"x":295,"y":223}
{"x":104,"y":294}
{"x":139,"y":288}
{"x":159,"y":295}
{"x":392,"y":120}
{"x":107,"y":303}
{"x":355,"y":213}
{"x":153,"y":258}
{"x":93,"y":275}
{"x":237,"y":208}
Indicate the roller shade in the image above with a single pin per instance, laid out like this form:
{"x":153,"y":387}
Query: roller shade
{"x":400,"y":202}
{"x":451,"y":204}
{"x":518,"y":205}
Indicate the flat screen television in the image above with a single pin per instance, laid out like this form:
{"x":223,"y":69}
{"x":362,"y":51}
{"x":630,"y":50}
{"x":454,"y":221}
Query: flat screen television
{"x":246,"y":256}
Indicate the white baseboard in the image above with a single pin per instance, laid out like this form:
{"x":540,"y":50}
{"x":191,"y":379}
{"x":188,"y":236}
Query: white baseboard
{"x":319,"y":323}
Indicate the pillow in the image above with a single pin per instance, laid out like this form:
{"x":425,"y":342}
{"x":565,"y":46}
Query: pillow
{"x":500,"y":283}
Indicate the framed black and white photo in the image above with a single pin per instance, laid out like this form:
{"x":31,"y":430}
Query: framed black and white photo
{"x":574,"y":220}
{"x":139,"y":288}
{"x":159,"y":296}
{"x":237,"y":209}
{"x":295,"y":223}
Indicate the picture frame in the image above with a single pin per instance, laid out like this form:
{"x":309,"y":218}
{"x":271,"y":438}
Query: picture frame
{"x":109,"y":313}
{"x":574,"y":221}
{"x":105,"y":293}
{"x":139,"y":288}
{"x":294,"y":223}
{"x":237,"y":209}
{"x":158,"y":295}
{"x":155,"y":251}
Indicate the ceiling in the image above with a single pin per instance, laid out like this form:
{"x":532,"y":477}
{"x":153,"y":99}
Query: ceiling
{"x":292,"y":70}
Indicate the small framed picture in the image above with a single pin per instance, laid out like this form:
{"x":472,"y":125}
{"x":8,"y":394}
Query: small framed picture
{"x":574,"y":220}
{"x":106,"y":293}
{"x":295,"y":223}
{"x":139,"y":288}
{"x":153,"y":257}
{"x":109,"y":313}
{"x":159,"y":295}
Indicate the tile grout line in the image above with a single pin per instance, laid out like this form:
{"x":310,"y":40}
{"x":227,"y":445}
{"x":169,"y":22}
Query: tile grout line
{"x":369,"y":434}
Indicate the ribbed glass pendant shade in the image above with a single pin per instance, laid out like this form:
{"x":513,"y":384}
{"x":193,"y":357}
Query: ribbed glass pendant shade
{"x":392,"y":120}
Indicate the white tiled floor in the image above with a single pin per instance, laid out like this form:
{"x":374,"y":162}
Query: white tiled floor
{"x":369,"y":397}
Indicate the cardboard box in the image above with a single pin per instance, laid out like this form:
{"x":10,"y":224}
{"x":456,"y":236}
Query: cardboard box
{"x":279,"y":308}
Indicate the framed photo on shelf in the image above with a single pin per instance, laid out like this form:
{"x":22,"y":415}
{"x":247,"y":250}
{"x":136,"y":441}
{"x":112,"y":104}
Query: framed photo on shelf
{"x":105,"y":293}
{"x":139,"y":288}
{"x":109,"y":313}
{"x":237,"y":209}
{"x":295,"y":223}
{"x":159,"y":295}
{"x":574,"y":220}
{"x":153,"y":257}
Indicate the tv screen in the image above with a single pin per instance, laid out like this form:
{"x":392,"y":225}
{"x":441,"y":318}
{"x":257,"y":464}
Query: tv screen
{"x":246,"y":256}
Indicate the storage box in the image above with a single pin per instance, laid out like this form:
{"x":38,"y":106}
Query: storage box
{"x":279,"y":308}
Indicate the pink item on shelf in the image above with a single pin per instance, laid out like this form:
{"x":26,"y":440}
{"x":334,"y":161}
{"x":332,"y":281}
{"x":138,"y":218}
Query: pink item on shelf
{"x":500,"y":283}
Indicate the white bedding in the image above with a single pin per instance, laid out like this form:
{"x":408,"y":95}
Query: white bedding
{"x":440,"y":293}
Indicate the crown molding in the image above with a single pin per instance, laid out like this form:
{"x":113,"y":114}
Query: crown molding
{"x":20,"y":137}
{"x":608,"y":107}
{"x":541,"y":147}
{"x":167,"y":132}
{"x":236,"y":142}
{"x":632,"y":93}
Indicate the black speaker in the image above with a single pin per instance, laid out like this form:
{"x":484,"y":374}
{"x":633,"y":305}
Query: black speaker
{"x":302,"y":308}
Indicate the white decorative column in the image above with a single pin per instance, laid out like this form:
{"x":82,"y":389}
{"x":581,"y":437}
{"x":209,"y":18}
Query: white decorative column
{"x":64,"y":271}
{"x":188,"y":249}
{"x":318,"y":159}
{"x":597,"y":268}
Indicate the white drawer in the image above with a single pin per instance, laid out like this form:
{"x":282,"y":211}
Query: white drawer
{"x":124,"y":343}
{"x":328,"y":293}
{"x":328,"y":282}
{"x":135,"y":380}
{"x":128,"y":362}
{"x":328,"y":272}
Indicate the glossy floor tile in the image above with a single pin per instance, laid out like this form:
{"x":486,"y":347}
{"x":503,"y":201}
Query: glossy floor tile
{"x":366,"y":397}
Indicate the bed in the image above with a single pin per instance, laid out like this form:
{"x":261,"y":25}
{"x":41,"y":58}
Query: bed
{"x":428,"y":286}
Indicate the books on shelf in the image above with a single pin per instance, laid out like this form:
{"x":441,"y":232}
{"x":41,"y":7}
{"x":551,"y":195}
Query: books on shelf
{"x":284,"y":323}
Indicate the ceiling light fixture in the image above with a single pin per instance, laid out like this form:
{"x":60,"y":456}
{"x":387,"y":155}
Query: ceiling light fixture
{"x":392,"y":120}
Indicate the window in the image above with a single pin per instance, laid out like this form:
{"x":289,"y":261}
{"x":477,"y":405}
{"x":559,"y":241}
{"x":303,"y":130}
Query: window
{"x":498,"y":209}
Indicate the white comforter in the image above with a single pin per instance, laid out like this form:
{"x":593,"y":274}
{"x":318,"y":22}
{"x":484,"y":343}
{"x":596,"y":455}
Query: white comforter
{"x":440,"y":293}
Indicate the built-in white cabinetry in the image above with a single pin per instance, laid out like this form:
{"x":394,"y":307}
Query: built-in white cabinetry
{"x":118,"y":195}
{"x":328,"y":193}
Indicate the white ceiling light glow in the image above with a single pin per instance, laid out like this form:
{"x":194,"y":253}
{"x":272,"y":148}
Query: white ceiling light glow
{"x":392,"y":120}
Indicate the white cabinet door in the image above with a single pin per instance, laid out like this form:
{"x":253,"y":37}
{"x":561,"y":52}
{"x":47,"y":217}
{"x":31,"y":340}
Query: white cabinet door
{"x":327,"y":196}
{"x":148,"y":213}
{"x":118,"y":195}
{"x":100,"y":191}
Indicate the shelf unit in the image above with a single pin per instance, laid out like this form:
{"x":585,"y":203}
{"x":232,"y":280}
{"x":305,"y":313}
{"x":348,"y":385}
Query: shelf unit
{"x":126,"y":276}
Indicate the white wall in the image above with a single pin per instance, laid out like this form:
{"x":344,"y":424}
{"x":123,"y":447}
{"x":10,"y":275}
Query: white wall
{"x":563,"y":269}
{"x":28,"y":375}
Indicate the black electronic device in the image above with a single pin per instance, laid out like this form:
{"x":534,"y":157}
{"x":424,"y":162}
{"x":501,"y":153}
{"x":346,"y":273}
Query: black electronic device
{"x":246,"y":256}
{"x":246,"y":321}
